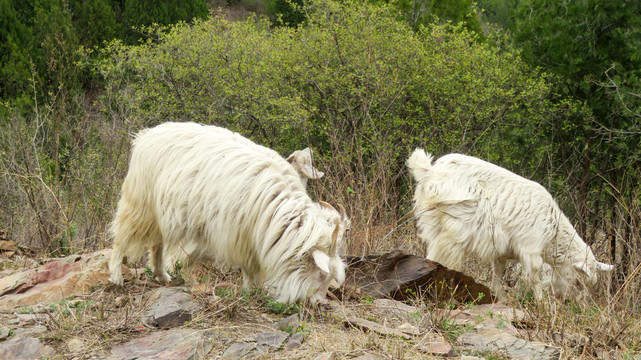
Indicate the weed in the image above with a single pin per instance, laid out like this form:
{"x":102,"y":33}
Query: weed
{"x":280,"y":308}
{"x":367,"y":300}
{"x":451,"y":329}
{"x":25,"y":310}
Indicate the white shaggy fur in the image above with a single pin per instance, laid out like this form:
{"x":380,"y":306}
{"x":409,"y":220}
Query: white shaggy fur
{"x":466,"y":206}
{"x":241,"y":203}
{"x":300,"y":160}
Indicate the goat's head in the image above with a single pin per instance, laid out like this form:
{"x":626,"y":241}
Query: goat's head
{"x":331,"y":268}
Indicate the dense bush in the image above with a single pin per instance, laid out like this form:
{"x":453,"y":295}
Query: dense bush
{"x":356,"y":83}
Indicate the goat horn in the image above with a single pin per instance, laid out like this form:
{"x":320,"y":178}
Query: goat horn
{"x":326,"y":204}
{"x":342,"y":211}
{"x":332,"y":246}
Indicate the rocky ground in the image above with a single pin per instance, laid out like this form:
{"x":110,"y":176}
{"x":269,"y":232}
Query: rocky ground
{"x":66,"y":309}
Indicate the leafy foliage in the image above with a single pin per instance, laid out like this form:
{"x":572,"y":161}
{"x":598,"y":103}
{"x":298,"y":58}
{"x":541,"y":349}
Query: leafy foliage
{"x":593,"y":46}
{"x":356,"y":82}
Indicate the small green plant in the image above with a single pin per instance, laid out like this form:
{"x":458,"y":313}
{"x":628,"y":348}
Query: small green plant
{"x":302,"y":327}
{"x":224,"y":292}
{"x":367,"y":300}
{"x":25,"y":310}
{"x":451,"y":330}
{"x":280,"y":308}
{"x":177,"y":273}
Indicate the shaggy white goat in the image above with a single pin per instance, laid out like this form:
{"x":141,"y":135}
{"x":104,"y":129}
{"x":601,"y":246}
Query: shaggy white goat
{"x":466,"y":206}
{"x":241,"y":203}
{"x":301,"y":161}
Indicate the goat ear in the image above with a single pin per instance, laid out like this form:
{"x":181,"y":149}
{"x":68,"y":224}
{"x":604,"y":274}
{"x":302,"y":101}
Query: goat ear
{"x":311,"y":172}
{"x":604,"y":267}
{"x":583,"y":266}
{"x":291,"y":158}
{"x":321,"y":259}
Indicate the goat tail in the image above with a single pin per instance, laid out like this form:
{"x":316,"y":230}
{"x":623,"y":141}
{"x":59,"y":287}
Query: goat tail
{"x":420,"y":163}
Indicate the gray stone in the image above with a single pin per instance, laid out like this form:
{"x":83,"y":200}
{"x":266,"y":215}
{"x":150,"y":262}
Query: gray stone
{"x":436,"y":346}
{"x":75,"y":345}
{"x":290,"y":322}
{"x":368,"y":356}
{"x":28,"y":319}
{"x":4,"y":333}
{"x":375,"y":327}
{"x":273,"y":339}
{"x":393,"y":307}
{"x":485,"y":338}
{"x":174,"y":344}
{"x":295,"y":341}
{"x":171,"y":307}
{"x":34,"y":330}
{"x":238,"y":350}
{"x":330,"y":355}
{"x":24,"y":348}
{"x":409,"y":329}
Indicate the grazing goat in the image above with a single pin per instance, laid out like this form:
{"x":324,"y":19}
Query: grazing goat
{"x":241,"y":203}
{"x":301,"y":161}
{"x":466,"y":206}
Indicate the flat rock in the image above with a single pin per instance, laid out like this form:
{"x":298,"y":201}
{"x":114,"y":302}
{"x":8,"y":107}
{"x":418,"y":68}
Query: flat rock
{"x":171,"y":307}
{"x":4,"y":333}
{"x":175,"y":344}
{"x":488,"y":338}
{"x":24,"y":348}
{"x":274,"y":339}
{"x":435,"y":345}
{"x":55,"y":280}
{"x":393,"y":307}
{"x":289,"y":323}
{"x":375,"y":327}
{"x":238,"y":350}
{"x":402,"y":276}
{"x":33,"y":330}
{"x":295,"y":341}
{"x":330,"y":355}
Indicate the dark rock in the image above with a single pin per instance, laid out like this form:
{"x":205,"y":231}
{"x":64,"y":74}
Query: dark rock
{"x":402,"y":276}
{"x":171,"y":307}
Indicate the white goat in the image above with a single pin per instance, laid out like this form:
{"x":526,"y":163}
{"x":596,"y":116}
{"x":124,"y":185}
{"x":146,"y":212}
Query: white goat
{"x":467,"y":206}
{"x":301,"y":161}
{"x":242,"y":203}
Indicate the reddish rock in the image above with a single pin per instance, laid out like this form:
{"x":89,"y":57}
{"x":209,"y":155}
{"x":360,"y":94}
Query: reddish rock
{"x":55,"y":280}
